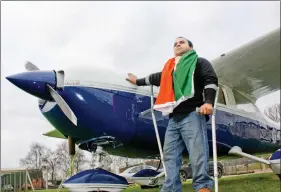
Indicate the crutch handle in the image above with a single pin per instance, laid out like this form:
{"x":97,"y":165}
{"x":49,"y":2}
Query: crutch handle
{"x":197,"y":110}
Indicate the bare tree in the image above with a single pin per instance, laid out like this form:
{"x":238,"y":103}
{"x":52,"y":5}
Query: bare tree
{"x":34,"y":158}
{"x":65,"y":159}
{"x":63,"y":156}
{"x":273,"y":113}
{"x":80,"y":160}
{"x":51,"y":164}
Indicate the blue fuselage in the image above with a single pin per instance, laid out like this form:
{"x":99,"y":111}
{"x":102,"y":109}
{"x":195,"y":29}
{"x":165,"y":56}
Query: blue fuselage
{"x":105,"y":112}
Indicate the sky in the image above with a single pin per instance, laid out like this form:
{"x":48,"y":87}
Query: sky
{"x":129,"y":36}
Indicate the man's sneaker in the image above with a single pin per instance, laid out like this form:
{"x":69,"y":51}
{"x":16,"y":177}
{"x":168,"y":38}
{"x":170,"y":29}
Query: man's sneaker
{"x":204,"y":190}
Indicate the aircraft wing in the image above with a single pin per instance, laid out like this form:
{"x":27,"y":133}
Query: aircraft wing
{"x":55,"y":133}
{"x":253,"y":69}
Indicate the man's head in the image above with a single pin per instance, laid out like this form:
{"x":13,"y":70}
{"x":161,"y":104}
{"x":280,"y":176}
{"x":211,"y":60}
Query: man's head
{"x":181,"y":46}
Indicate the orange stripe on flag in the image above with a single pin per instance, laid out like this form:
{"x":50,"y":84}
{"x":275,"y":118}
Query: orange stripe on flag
{"x":166,"y":92}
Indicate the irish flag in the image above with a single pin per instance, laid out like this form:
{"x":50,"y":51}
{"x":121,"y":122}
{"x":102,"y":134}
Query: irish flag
{"x":176,"y":85}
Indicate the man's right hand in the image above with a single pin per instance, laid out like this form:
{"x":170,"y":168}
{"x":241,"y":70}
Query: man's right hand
{"x":132,"y":78}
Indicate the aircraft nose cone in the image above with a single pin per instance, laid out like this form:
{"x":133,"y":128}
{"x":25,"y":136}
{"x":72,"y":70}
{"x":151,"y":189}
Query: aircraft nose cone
{"x":34,"y":82}
{"x":16,"y":79}
{"x":10,"y":78}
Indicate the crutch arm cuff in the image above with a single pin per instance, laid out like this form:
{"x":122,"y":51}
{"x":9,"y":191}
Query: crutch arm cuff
{"x":210,"y":95}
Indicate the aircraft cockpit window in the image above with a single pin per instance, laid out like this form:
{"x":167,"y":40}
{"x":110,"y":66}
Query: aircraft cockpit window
{"x":243,"y":103}
{"x":221,"y":98}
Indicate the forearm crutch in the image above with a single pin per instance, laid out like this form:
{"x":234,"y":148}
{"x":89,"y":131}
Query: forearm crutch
{"x":157,"y":137}
{"x":214,"y":139}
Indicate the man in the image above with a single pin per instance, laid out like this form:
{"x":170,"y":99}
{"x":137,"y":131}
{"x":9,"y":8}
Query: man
{"x":186,"y":82}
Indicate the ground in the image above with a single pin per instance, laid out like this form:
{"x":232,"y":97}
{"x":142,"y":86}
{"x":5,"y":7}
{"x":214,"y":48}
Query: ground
{"x":262,"y":182}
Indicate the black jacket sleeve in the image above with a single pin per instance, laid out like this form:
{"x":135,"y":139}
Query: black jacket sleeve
{"x":152,"y":79}
{"x":210,"y":81}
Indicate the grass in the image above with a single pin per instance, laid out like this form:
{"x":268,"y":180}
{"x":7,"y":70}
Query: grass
{"x":263,"y":182}
{"x":51,"y":190}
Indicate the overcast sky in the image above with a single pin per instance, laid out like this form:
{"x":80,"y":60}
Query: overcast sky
{"x":130,"y":36}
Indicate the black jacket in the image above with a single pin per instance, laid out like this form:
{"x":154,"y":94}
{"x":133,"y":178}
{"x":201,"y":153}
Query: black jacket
{"x":205,"y":84}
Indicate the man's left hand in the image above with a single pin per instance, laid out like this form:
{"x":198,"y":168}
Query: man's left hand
{"x":206,"y":109}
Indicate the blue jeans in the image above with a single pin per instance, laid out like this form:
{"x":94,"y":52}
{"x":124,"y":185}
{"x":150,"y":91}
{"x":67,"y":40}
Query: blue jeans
{"x":190,"y":132}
